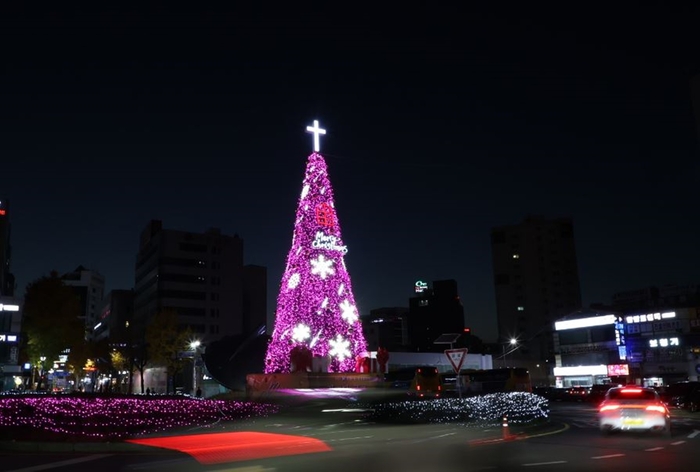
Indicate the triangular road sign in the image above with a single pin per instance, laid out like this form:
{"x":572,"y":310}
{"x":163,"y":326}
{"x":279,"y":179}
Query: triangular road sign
{"x":456,"y":358}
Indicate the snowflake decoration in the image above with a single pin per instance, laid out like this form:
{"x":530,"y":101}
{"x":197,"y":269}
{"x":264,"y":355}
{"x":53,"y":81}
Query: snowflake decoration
{"x":322,"y":266}
{"x":339,"y":348}
{"x":348,"y":314}
{"x":293,"y":281}
{"x":301,"y":332}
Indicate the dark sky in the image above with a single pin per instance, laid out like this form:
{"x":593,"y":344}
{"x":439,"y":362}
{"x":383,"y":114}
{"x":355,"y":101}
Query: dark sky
{"x":441,"y":124}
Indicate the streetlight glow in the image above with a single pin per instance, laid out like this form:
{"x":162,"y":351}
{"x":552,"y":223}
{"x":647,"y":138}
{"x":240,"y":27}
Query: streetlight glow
{"x":513,"y":341}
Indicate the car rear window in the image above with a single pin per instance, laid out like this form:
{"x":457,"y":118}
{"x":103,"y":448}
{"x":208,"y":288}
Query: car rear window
{"x":631,"y":394}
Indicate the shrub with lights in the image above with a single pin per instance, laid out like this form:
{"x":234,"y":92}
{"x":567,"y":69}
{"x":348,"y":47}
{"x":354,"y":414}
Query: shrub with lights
{"x":316,"y":306}
{"x":101,"y":419}
{"x":484,"y":410}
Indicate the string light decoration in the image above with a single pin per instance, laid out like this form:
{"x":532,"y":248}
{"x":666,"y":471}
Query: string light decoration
{"x":104,"y":419}
{"x":483,"y":410}
{"x":316,"y":292}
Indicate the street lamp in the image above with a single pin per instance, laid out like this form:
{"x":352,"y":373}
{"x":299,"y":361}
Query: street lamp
{"x":513,"y":342}
{"x":193,"y":346}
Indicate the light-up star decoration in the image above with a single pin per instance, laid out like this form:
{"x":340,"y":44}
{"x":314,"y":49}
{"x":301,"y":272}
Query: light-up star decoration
{"x":339,"y":348}
{"x":322,"y":267}
{"x":315,"y":303}
{"x":349,"y":313}
{"x":301,"y":332}
{"x":316,"y":130}
{"x":293,"y":281}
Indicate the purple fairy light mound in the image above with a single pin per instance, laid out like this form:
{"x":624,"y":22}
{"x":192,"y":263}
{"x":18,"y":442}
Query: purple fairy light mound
{"x":101,"y":419}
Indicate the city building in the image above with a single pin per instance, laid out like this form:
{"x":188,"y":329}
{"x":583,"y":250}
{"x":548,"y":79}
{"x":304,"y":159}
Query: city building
{"x":10,"y":326}
{"x":387,"y":328}
{"x":536,"y":282}
{"x":663,"y":345}
{"x":89,"y":286}
{"x":116,"y":317}
{"x":652,"y":297}
{"x":433,"y":312}
{"x":202,"y":278}
{"x":590,"y":348}
{"x":7,"y":280}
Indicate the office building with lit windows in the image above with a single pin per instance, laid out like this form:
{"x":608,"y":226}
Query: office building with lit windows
{"x":201,"y":277}
{"x":536,"y":282}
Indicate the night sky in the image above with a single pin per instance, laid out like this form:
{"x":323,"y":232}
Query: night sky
{"x":441,"y":124}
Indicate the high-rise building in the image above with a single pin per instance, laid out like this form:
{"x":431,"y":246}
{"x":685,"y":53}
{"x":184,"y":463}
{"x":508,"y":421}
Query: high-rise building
{"x":7,"y":280}
{"x":536,"y":282}
{"x":433,"y":312}
{"x":695,"y":96}
{"x":201,"y":277}
{"x":89,"y":285}
{"x":386,"y":327}
{"x":116,"y":317}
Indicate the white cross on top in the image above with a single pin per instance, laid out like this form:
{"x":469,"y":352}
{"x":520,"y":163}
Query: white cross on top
{"x":316,"y":131}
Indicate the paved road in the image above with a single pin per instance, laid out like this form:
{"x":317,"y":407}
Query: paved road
{"x":570,"y":442}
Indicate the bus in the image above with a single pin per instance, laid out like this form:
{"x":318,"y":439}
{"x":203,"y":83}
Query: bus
{"x":479,"y":382}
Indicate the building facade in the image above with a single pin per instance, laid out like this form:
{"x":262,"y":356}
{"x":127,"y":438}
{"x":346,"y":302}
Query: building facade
{"x":89,"y":286}
{"x":536,"y":282}
{"x":201,"y":277}
{"x":664,"y":345}
{"x":10,"y":327}
{"x":116,"y":317}
{"x":388,"y":328}
{"x":590,"y":349}
{"x":7,"y":280}
{"x":433,"y":312}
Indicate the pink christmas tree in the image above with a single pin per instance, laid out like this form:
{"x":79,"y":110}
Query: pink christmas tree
{"x":316,"y":307}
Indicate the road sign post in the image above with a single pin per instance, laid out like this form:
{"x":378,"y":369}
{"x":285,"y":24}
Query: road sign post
{"x":456,"y":358}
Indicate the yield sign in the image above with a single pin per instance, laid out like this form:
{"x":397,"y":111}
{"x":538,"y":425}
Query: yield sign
{"x":456,"y":358}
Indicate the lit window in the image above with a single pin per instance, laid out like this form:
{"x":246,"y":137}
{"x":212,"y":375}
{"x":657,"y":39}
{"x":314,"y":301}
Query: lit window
{"x":521,"y":308}
{"x":516,"y":256}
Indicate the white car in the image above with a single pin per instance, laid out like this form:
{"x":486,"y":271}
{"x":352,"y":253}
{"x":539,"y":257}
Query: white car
{"x":634,"y":409}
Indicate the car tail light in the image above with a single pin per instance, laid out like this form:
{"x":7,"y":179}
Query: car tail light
{"x":659,"y":408}
{"x":609,"y":407}
{"x":417,"y":387}
{"x":631,"y":390}
{"x":439,"y":387}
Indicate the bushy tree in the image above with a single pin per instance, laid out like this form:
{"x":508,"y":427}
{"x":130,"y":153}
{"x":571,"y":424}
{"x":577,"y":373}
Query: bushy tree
{"x":51,"y":320}
{"x":166,"y":340}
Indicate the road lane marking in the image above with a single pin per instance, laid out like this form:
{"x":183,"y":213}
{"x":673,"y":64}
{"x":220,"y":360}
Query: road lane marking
{"x":54,"y":465}
{"x":609,"y":456}
{"x":677,"y":443}
{"x":693,"y":434}
{"x":535,"y":464}
{"x":653,"y":449}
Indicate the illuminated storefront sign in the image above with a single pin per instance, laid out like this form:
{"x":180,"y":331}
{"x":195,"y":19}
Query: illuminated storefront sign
{"x":585,"y":322}
{"x":421,"y":286}
{"x":616,"y":370}
{"x":581,"y":370}
{"x":650,"y":317}
{"x":8,"y":338}
{"x":9,"y":307}
{"x":664,"y":342}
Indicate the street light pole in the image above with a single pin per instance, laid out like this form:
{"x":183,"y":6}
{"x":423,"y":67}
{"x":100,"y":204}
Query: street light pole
{"x":194,"y":345}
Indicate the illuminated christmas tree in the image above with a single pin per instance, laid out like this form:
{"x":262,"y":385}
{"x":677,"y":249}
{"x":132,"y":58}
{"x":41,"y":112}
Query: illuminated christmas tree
{"x":316,"y":307}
